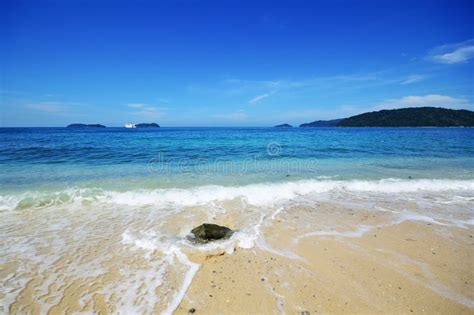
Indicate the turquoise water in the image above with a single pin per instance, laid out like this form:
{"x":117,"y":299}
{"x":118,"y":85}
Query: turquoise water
{"x":121,"y":159}
{"x":111,"y":209}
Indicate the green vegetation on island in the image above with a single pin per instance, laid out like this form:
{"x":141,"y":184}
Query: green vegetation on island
{"x":412,"y":117}
{"x":143,"y":125}
{"x":322,"y":123}
{"x":85,"y":126}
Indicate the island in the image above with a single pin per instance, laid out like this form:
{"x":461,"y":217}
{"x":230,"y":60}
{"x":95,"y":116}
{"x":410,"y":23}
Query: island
{"x":322,"y":123}
{"x":85,"y":126}
{"x":283,"y":126}
{"x":412,"y":117}
{"x":143,"y":125}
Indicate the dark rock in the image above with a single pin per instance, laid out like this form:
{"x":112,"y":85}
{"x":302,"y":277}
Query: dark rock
{"x":85,"y":126}
{"x":192,"y":310}
{"x":283,"y":126}
{"x":152,"y":125}
{"x":209,"y":232}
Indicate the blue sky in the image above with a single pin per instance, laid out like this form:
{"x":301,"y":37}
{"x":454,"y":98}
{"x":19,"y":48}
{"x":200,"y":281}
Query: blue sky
{"x":230,"y":63}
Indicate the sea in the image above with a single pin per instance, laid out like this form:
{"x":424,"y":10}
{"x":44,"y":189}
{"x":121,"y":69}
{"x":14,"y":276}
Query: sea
{"x":113,"y":206}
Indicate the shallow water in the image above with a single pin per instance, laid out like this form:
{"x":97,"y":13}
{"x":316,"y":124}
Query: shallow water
{"x":92,"y":216}
{"x":119,"y":158}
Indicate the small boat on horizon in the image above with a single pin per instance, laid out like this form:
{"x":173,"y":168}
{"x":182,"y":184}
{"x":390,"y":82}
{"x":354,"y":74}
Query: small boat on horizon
{"x":130,"y":125}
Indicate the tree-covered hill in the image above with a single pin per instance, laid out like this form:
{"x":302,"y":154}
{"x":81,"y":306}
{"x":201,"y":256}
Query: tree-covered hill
{"x":412,"y":117}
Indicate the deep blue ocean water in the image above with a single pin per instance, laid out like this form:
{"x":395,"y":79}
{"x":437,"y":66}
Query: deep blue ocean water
{"x":78,"y":205}
{"x":119,"y":158}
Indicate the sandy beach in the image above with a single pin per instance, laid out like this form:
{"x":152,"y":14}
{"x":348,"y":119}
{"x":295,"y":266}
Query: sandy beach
{"x":365,"y":242}
{"x":316,"y":258}
{"x":408,"y":268}
{"x":411,"y":267}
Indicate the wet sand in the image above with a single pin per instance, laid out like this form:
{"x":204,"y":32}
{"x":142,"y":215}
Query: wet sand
{"x":330,"y":257}
{"x":412,"y":267}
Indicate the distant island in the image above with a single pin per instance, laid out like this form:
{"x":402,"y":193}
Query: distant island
{"x":322,"y":123}
{"x":152,"y":125}
{"x":412,"y":117}
{"x":142,"y":125}
{"x":404,"y":117}
{"x":85,"y":126}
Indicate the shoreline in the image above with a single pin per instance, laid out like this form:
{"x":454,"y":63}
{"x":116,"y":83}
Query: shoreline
{"x":392,"y":247}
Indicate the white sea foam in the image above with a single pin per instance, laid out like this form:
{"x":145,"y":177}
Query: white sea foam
{"x":433,"y":282}
{"x":254,"y":194}
{"x":170,"y":249}
{"x":188,"y":278}
{"x":408,"y":216}
{"x":358,"y":232}
{"x":361,"y":230}
{"x":270,"y":193}
{"x":69,"y":220}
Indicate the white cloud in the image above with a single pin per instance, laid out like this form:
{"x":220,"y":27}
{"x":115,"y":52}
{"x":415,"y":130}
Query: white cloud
{"x":432,"y":100}
{"x":239,"y":115}
{"x":413,"y":79}
{"x":136,"y":105}
{"x":258,"y":98}
{"x":459,"y":55}
{"x":262,"y":89}
{"x":147,"y":111}
{"x":315,"y":82}
{"x":269,"y":84}
{"x":453,"y":53}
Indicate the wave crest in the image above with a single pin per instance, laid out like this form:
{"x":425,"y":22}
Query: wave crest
{"x":254,"y":194}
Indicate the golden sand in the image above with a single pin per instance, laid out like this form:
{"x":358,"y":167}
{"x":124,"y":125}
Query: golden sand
{"x":406,"y":268}
{"x":364,"y":263}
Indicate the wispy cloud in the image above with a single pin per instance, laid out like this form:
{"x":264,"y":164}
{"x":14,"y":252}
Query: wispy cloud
{"x":432,"y":100}
{"x":147,"y":111}
{"x":48,"y":107}
{"x":413,"y":79}
{"x":239,"y":115}
{"x":137,"y":105}
{"x":258,"y":98}
{"x":453,"y":53}
{"x":288,"y":84}
{"x":257,"y":90}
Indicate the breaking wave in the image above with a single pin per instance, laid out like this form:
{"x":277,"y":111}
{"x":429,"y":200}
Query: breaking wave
{"x":254,"y":194}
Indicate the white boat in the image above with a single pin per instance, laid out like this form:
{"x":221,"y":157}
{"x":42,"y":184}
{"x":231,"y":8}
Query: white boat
{"x":130,"y":125}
